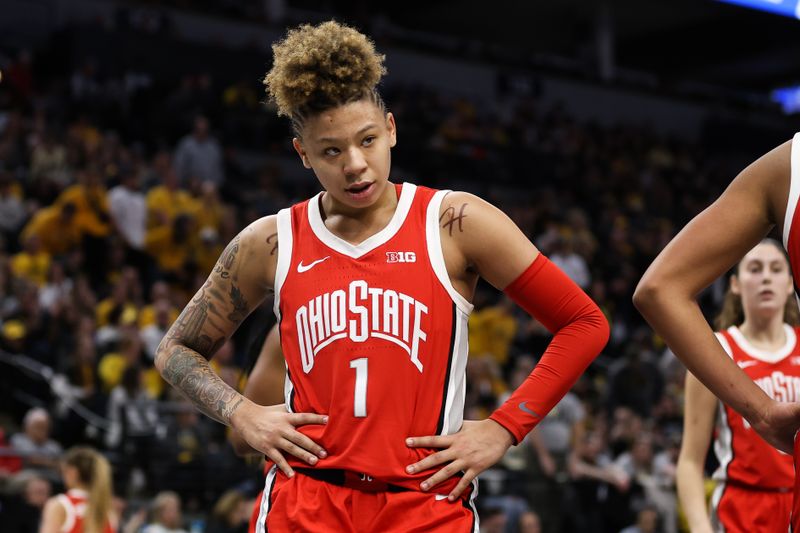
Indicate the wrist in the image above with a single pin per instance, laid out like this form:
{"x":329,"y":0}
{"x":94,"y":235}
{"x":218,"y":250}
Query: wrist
{"x":759,"y":418}
{"x":506,"y":437}
{"x":239,"y":413}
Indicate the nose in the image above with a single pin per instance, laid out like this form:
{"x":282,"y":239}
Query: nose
{"x":355,"y":163}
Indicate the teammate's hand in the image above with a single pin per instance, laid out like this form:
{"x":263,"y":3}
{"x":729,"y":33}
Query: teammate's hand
{"x":476,"y":447}
{"x":780,"y":424}
{"x":271,"y":430}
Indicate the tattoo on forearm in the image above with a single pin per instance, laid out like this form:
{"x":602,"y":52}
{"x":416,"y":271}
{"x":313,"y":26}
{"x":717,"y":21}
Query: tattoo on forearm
{"x":450,"y":218}
{"x":190,"y":372}
{"x":273,"y":239}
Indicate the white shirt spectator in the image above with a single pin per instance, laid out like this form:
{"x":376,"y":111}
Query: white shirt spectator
{"x":129,"y":211}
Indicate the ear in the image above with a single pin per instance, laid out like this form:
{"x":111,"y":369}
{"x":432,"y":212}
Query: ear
{"x":392,"y":127}
{"x":736,"y":287}
{"x":298,"y":147}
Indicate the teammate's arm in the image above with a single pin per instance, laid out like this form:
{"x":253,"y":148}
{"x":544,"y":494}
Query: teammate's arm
{"x":241,"y":279}
{"x":264,"y":384}
{"x":480,"y":240}
{"x":53,"y":517}
{"x":698,"y":424}
{"x":704,"y":250}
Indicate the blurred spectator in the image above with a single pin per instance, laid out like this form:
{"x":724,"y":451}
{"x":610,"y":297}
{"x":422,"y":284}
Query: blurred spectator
{"x":492,"y":330}
{"x":655,"y":474}
{"x":167,"y":517}
{"x":12,"y":210}
{"x":554,"y":440}
{"x":231,"y":514}
{"x":199,"y":155}
{"x":529,"y":523}
{"x":56,"y":227}
{"x":183,"y":454}
{"x":22,"y":503}
{"x":133,"y":416}
{"x":128,"y":209}
{"x":573,"y":265}
{"x":38,"y":451}
{"x":32,"y":263}
{"x":646,"y":522}
{"x":152,"y":334}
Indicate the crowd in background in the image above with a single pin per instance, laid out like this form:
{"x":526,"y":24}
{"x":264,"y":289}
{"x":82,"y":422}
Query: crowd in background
{"x":119,"y":191}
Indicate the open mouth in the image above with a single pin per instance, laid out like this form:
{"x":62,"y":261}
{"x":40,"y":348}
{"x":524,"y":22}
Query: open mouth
{"x":360,"y":190}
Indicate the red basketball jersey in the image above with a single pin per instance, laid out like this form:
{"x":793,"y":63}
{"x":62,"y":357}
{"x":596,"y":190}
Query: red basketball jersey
{"x":74,"y":504}
{"x":745,"y":459}
{"x":791,"y":241}
{"x":374,"y":336}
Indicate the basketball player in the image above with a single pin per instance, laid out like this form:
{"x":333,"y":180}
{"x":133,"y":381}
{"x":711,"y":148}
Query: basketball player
{"x":754,"y":491}
{"x":372,"y":282}
{"x":86,"y":506}
{"x":765,"y":194}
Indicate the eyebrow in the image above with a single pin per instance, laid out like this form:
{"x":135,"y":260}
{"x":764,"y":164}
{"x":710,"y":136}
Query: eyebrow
{"x":359,"y":132}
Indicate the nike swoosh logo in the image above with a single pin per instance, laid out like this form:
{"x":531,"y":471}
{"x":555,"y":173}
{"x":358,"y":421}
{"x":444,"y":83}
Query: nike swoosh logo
{"x":304,"y":268}
{"x":440,"y":497}
{"x":525,"y":409}
{"x":745,"y":364}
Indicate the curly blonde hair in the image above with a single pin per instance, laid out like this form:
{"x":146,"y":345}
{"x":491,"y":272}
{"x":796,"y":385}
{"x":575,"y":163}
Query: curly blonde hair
{"x":321,"y":67}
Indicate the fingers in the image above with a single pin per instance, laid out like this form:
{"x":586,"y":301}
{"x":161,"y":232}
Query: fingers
{"x":430,"y":442}
{"x":306,"y":443}
{"x":462,"y":486}
{"x":437,"y":458}
{"x":297,"y":451}
{"x":445,"y":473}
{"x":302,"y":419}
{"x":281,"y":463}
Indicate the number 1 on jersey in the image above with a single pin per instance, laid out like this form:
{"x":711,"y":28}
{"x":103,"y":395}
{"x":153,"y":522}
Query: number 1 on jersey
{"x":360,"y":401}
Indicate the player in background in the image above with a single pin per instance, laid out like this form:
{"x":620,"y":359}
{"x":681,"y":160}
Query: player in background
{"x":86,"y":506}
{"x":754,"y":490}
{"x":372,"y":282}
{"x":763,"y":195}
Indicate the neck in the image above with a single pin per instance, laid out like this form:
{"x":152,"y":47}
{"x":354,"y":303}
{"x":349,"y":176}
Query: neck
{"x":353,"y":223}
{"x":764,"y":330}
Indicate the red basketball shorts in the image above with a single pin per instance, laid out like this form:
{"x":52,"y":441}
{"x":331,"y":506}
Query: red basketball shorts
{"x":305,"y":504}
{"x":742,"y":510}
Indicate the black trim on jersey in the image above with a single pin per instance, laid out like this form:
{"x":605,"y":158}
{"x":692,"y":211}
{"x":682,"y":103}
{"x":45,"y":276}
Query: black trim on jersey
{"x":269,"y":498}
{"x":440,"y":425}
{"x":466,"y":503}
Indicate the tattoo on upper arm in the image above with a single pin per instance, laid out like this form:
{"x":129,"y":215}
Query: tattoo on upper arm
{"x":191,"y":373}
{"x":273,"y":239}
{"x":227,"y":258}
{"x":450,"y":218}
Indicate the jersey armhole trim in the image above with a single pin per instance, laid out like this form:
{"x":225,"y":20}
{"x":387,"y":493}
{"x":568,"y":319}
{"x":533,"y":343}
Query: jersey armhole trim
{"x":284,"y":261}
{"x":794,"y":189}
{"x":69,"y":510}
{"x":725,"y":344}
{"x":434,"y":246}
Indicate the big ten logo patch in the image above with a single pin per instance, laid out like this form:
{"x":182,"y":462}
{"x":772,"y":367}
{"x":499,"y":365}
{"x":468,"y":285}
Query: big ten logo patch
{"x":401,"y":257}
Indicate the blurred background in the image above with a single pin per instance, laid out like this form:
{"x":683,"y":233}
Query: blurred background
{"x":135,"y":143}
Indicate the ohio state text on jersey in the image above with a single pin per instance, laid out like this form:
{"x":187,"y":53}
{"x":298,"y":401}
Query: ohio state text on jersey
{"x":374,"y":336}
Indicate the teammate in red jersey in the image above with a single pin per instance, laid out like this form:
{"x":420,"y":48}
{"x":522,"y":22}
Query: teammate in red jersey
{"x":765,"y":194}
{"x":754,"y":491}
{"x":372,"y":284}
{"x":86,"y":506}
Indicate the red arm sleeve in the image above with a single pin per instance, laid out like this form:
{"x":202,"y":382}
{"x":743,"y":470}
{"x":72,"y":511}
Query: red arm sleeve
{"x":580,"y":332}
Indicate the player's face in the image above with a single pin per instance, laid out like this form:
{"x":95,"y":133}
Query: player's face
{"x":764,"y":281}
{"x":349,"y":149}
